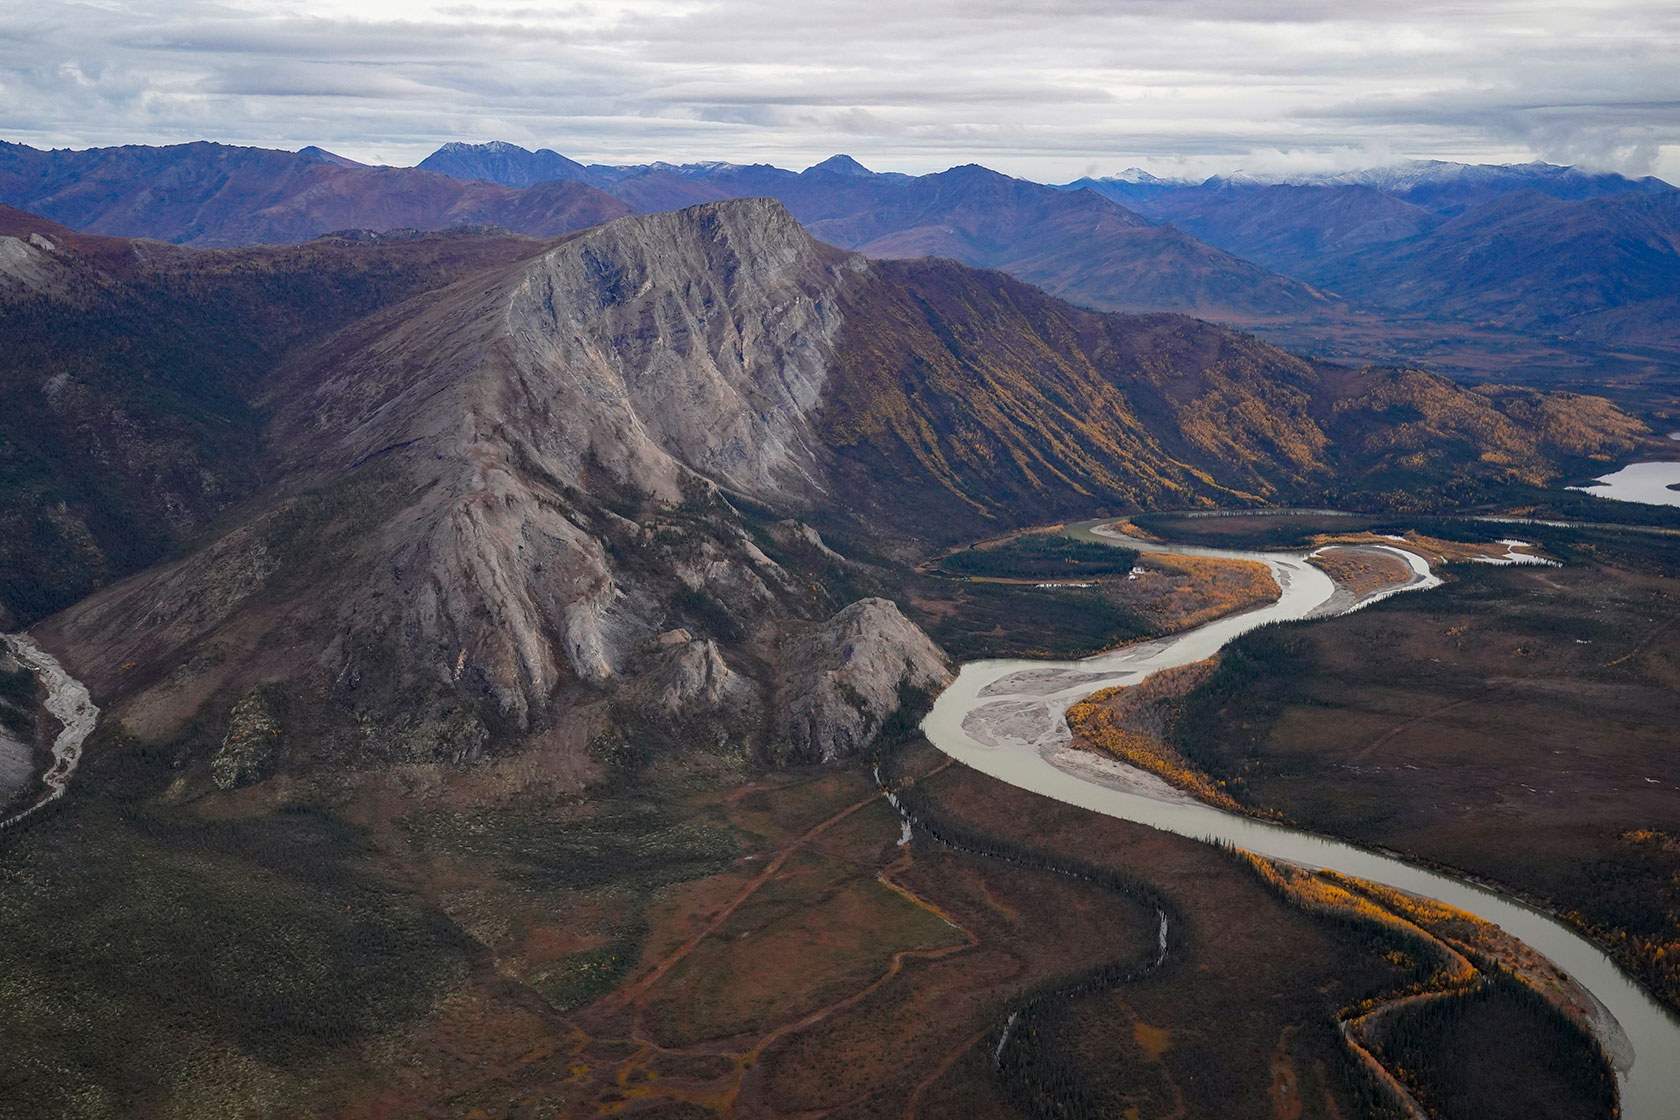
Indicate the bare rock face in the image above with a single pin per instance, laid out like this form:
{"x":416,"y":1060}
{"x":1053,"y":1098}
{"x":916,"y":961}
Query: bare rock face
{"x":250,"y":746}
{"x":24,"y":261}
{"x":701,"y":336}
{"x":846,"y":678}
{"x":652,"y":357}
{"x":689,"y":675}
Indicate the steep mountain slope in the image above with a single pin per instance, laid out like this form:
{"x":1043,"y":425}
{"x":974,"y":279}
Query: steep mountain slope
{"x":554,"y":498}
{"x":127,"y":376}
{"x":215,"y":195}
{"x":961,"y":394}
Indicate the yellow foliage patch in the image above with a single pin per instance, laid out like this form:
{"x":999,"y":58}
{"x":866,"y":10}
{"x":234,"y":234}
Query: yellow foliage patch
{"x":1127,"y":723}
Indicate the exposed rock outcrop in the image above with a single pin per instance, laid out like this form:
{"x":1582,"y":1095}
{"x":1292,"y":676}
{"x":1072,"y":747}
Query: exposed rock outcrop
{"x":647,"y":360}
{"x":689,"y":674}
{"x":846,"y":679}
{"x":503,"y":492}
{"x":250,"y":747}
{"x":25,"y":261}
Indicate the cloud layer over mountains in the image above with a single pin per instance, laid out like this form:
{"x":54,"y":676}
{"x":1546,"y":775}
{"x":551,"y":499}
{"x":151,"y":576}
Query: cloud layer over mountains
{"x":1046,"y":90}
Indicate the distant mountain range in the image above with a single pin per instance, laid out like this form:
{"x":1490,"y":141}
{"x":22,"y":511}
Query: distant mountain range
{"x":1476,"y":268}
{"x":1078,"y":244}
{"x":1555,"y":253}
{"x":213,"y":195}
{"x":1434,"y":185}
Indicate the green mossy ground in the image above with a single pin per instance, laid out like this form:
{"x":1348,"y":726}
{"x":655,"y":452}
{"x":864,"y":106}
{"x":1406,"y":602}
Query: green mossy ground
{"x":146,"y":948}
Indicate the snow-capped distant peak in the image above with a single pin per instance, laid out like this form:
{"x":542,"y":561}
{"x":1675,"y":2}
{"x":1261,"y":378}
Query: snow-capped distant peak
{"x":488,"y":147}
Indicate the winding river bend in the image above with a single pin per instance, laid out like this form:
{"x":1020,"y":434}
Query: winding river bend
{"x":1006,"y":718}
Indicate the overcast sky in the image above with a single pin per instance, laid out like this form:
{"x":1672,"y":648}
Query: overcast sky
{"x":1050,"y":90}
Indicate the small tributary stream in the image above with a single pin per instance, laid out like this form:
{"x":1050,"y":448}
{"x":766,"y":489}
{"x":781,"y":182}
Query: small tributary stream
{"x":1007,"y":719}
{"x":68,"y":702}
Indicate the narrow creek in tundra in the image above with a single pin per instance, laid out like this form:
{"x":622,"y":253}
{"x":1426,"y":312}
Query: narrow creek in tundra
{"x":1006,"y":718}
{"x":68,"y":702}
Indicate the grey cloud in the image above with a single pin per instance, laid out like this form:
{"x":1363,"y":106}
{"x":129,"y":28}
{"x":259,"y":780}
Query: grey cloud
{"x":1187,"y":86}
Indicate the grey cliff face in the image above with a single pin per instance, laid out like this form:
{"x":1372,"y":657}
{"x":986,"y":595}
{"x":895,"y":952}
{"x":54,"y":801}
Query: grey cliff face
{"x":654,"y":356}
{"x":698,"y":338}
{"x":847,"y":676}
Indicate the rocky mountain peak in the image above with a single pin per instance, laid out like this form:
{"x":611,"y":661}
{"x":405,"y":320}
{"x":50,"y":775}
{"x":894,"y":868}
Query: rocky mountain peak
{"x":841,"y":165}
{"x":498,"y":161}
{"x":701,"y":338}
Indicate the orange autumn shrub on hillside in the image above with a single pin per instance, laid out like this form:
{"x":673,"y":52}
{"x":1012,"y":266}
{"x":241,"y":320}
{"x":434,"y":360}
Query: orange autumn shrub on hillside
{"x":1326,"y":892}
{"x":1206,"y":589}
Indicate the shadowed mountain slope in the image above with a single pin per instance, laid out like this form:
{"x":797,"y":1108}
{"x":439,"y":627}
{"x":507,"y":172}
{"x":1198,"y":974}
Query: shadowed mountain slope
{"x":1535,"y":262}
{"x":128,"y":378}
{"x":1293,"y":228}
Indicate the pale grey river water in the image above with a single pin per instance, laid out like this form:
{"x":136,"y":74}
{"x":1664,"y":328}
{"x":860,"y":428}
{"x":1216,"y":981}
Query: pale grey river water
{"x":1005,"y":718}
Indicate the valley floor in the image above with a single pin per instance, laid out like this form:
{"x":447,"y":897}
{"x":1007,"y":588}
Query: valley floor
{"x":1517,"y":725}
{"x":703,"y":939}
